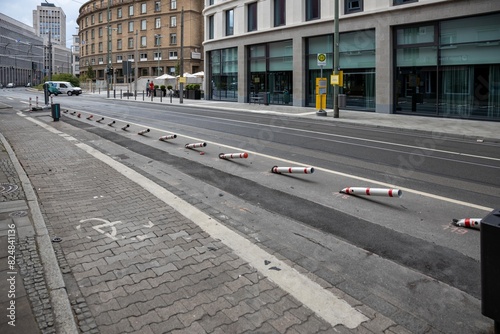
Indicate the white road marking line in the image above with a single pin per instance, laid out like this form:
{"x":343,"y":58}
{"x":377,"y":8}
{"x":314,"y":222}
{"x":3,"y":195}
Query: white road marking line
{"x":321,"y":301}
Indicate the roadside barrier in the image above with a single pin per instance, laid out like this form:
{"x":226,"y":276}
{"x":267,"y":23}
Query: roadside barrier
{"x":196,"y":145}
{"x":100,"y":120}
{"x":372,"y":191}
{"x":90,"y":117}
{"x":468,"y":222}
{"x":291,"y":170}
{"x":243,"y":155}
{"x":126,"y":127}
{"x":143,"y":132}
{"x":167,"y":137}
{"x":111,"y":124}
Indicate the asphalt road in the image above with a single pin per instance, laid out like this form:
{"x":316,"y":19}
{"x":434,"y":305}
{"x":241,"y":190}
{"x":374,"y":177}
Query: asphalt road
{"x":442,"y":178}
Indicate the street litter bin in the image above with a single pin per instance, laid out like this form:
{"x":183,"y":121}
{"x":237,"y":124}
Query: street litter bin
{"x":490,"y":267}
{"x":56,"y":111}
{"x":342,"y":100}
{"x":267,"y":98}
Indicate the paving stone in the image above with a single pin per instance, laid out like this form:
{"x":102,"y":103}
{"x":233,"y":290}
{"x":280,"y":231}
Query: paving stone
{"x":148,"y":318}
{"x":284,"y":322}
{"x":209,"y":323}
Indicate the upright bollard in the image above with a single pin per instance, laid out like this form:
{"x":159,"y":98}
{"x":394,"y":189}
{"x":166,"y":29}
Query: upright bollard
{"x":30,"y":105}
{"x":302,"y":170}
{"x":143,"y":132}
{"x":243,"y":155}
{"x":36,"y":103}
{"x":195,"y":145}
{"x":125,"y":127}
{"x":372,"y":191}
{"x":167,"y":137}
{"x":111,"y":124}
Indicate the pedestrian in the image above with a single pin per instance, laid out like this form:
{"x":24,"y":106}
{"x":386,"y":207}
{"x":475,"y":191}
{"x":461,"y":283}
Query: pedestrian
{"x":151,"y":88}
{"x":147,"y":88}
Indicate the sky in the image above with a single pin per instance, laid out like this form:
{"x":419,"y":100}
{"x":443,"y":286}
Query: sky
{"x":22,"y":10}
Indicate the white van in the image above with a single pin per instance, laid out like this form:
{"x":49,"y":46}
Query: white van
{"x":66,"y":88}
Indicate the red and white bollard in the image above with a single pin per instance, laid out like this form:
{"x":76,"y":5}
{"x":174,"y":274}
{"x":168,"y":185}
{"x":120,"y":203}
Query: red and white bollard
{"x":36,"y":102}
{"x":468,"y":222}
{"x":143,"y":132}
{"x":243,"y":155}
{"x":100,"y":120}
{"x":126,"y":127}
{"x":196,"y":145}
{"x":111,"y":124}
{"x":372,"y":191}
{"x":167,"y":137}
{"x":79,"y":115}
{"x":90,"y":117}
{"x":291,"y":170}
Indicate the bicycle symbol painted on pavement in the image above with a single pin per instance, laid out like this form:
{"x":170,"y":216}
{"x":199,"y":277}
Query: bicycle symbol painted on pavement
{"x":108,"y":228}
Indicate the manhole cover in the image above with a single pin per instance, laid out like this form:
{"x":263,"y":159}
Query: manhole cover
{"x":6,"y":188}
{"x":18,"y":214}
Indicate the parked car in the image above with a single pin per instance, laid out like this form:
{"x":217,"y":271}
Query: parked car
{"x":10,"y":85}
{"x":65,"y":87}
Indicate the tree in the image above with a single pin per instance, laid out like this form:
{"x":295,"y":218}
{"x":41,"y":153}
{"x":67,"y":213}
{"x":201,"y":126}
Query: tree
{"x":90,"y":72}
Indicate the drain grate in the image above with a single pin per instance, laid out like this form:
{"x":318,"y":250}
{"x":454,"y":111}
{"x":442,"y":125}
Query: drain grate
{"x":18,"y":214}
{"x":6,"y":188}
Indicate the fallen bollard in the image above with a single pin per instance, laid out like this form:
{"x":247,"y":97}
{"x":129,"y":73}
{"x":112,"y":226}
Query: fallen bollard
{"x":303,"y":170}
{"x":90,"y":117}
{"x":143,"y":132}
{"x":125,"y":127}
{"x":111,"y":124}
{"x":79,"y":115}
{"x":372,"y":191}
{"x":195,"y":145}
{"x":233,"y":155}
{"x":100,"y":120}
{"x":73,"y":113}
{"x":167,"y":137}
{"x":468,"y":222}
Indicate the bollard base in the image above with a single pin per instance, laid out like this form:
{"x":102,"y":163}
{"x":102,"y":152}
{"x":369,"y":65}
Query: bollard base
{"x":321,"y":113}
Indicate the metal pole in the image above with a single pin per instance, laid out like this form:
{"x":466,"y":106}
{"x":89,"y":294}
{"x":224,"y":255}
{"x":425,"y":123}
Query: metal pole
{"x":336,"y":61}
{"x":108,"y":66}
{"x":136,"y":60}
{"x":50,"y":56}
{"x":181,"y":84}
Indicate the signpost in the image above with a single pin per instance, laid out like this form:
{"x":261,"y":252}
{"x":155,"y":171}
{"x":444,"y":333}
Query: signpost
{"x":321,"y":86}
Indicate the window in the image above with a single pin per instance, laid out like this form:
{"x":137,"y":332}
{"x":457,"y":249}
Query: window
{"x":157,"y":56}
{"x":157,"y":40}
{"x":173,"y":4}
{"x":279,"y":13}
{"x":252,"y":16}
{"x":353,"y":6}
{"x":143,"y":57}
{"x":143,"y":8}
{"x":92,"y":48}
{"x":100,"y":46}
{"x":119,"y":28}
{"x":130,"y":42}
{"x":119,"y":13}
{"x":110,"y":17}
{"x":143,"y":24}
{"x":118,"y":44}
{"x":130,"y":58}
{"x":100,"y":31}
{"x":92,"y":34}
{"x":172,"y":55}
{"x":173,"y":21}
{"x":312,"y":9}
{"x":211,"y":27}
{"x":157,"y":6}
{"x":119,"y":59}
{"x":92,"y":19}
{"x":173,"y":39}
{"x":143,"y":41}
{"x":229,"y":22}
{"x":131,"y":10}
{"x":87,"y":21}
{"x":402,"y":2}
{"x":100,"y":17}
{"x":131,"y":26}
{"x":158,"y":23}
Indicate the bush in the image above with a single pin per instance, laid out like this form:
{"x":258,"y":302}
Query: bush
{"x":156,"y":86}
{"x":162,"y":87}
{"x":169,"y":87}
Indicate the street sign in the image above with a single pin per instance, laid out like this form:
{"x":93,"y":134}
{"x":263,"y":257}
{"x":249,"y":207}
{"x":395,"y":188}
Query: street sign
{"x":321,"y":59}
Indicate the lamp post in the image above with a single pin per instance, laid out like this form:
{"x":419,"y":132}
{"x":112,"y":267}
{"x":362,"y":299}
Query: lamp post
{"x":336,"y":55}
{"x":158,"y":43}
{"x":109,"y":71}
{"x":181,"y":84}
{"x":136,"y":60}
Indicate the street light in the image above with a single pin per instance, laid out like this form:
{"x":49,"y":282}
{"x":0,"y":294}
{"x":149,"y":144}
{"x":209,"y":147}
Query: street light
{"x":336,"y":55}
{"x":157,"y":40}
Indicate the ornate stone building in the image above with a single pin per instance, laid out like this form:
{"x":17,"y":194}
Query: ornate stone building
{"x":151,"y":34}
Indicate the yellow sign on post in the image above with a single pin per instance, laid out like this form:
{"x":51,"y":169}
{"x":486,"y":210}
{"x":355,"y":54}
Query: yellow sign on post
{"x":182,"y":79}
{"x":337,"y":79}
